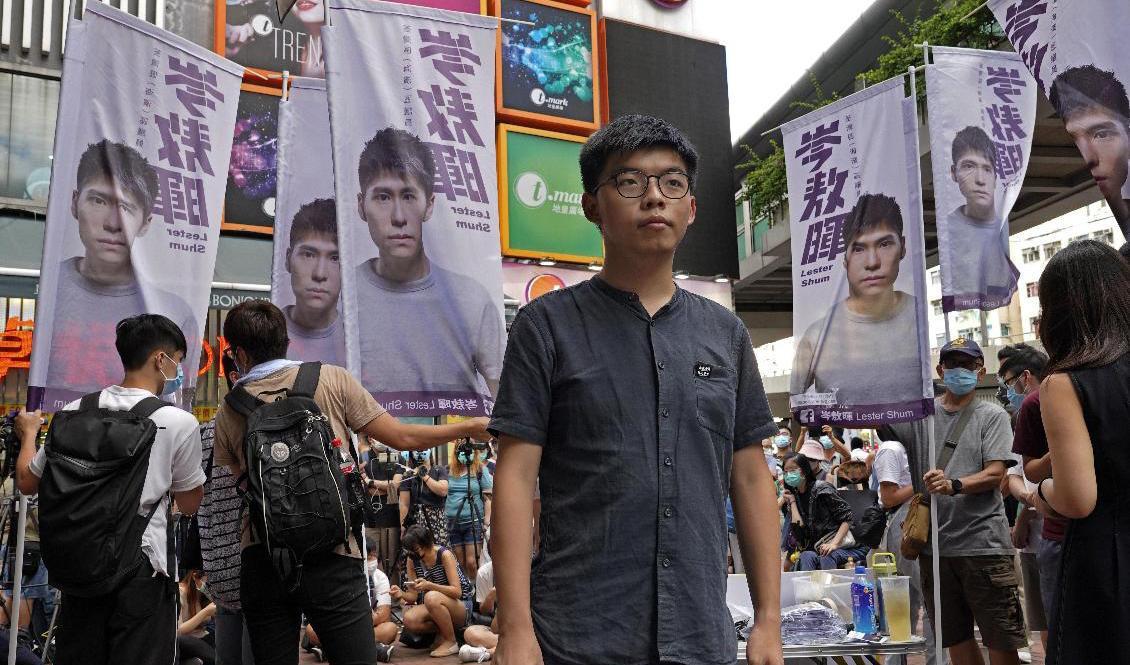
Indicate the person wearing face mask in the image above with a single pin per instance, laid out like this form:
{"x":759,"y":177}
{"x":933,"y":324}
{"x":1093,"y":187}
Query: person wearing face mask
{"x":469,"y":491}
{"x":979,"y":582}
{"x":197,"y":613}
{"x":423,"y":496}
{"x":137,"y":622}
{"x":824,"y":526}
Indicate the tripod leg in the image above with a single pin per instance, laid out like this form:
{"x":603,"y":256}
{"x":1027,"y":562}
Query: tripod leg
{"x":48,"y":652}
{"x":18,"y":571}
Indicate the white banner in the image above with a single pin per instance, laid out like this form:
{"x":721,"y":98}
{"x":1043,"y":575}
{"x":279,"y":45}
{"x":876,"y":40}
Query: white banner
{"x":411,"y":94}
{"x":859,"y":288}
{"x":306,"y":279}
{"x":982,"y":111}
{"x":1077,"y":52}
{"x":140,"y":165}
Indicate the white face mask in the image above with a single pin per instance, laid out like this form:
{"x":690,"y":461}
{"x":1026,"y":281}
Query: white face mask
{"x":371,"y":565}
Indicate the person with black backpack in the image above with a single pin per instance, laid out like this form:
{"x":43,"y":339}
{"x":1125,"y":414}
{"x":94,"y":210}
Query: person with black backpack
{"x":286,"y":430}
{"x":104,"y":476}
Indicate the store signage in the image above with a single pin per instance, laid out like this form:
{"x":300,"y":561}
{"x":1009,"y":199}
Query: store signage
{"x":541,"y":285}
{"x":249,"y":204}
{"x":546,"y":72}
{"x":15,"y":345}
{"x":541,"y":197}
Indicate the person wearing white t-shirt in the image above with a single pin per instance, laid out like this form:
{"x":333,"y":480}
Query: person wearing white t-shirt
{"x":136,"y":623}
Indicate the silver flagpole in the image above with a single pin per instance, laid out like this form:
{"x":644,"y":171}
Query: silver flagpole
{"x":930,"y":437}
{"x":18,"y":576}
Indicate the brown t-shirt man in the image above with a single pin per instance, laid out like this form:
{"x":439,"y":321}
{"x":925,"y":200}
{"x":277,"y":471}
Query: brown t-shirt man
{"x":347,"y":405}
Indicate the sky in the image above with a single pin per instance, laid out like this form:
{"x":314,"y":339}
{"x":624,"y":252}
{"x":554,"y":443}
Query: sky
{"x":770,"y":45}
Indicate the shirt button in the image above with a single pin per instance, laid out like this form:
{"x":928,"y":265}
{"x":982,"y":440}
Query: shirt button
{"x":662,"y":365}
{"x":666,"y":562}
{"x":664,"y":412}
{"x":667,"y":511}
{"x":667,"y":461}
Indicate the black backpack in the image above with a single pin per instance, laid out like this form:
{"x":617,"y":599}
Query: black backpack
{"x":97,"y":462}
{"x":296,"y":491}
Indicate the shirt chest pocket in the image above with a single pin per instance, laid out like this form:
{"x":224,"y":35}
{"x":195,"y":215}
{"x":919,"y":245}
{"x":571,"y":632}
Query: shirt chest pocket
{"x":715,"y":401}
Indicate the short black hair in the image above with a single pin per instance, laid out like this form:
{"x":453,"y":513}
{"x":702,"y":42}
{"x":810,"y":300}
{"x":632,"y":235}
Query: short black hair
{"x":370,"y":545}
{"x":259,"y":328}
{"x":417,"y":536}
{"x":973,"y":139}
{"x":138,"y":336}
{"x":1087,"y":87}
{"x":400,"y":152}
{"x":316,"y":217}
{"x":886,"y":433}
{"x":1024,"y":357}
{"x":632,"y":133}
{"x":856,"y":443}
{"x":122,"y":164}
{"x":871,"y":211}
{"x":1124,"y":250}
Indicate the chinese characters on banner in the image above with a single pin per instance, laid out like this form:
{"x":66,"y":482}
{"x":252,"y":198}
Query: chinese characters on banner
{"x":416,"y":211}
{"x":982,"y":110}
{"x":859,"y":286}
{"x":137,"y":189}
{"x":306,"y":278}
{"x":1077,"y":53}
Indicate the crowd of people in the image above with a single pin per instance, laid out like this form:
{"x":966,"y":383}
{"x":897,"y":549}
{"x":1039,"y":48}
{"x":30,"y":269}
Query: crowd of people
{"x":631,"y":447}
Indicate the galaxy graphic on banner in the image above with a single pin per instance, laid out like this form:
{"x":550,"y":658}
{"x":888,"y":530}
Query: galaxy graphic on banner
{"x":250,"y":199}
{"x":547,"y":67}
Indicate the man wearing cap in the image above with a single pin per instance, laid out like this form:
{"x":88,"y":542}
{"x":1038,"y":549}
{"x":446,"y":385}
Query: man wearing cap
{"x":979,"y":581}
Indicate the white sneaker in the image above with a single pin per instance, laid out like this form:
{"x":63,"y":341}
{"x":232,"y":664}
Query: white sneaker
{"x":470,"y":654}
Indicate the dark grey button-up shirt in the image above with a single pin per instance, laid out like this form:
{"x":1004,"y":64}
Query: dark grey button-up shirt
{"x":639,"y":417}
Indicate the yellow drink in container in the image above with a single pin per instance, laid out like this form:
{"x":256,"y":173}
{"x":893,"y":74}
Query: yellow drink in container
{"x":896,"y":606}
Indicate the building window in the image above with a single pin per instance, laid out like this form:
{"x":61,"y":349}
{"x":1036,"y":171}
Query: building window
{"x":935,"y":277}
{"x":1034,"y":323}
{"x":1078,"y":238}
{"x":1051,"y":248}
{"x":940,"y":339}
{"x":1006,"y":330}
{"x":1033,"y":289}
{"x":968,"y":333}
{"x":1106,"y":236}
{"x":937,"y":307}
{"x":1031,"y":254}
{"x":27,"y":113}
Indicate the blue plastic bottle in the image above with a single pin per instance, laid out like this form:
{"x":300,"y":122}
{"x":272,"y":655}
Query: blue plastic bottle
{"x":863,"y":605}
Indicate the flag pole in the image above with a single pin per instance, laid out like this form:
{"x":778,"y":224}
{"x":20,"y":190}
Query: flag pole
{"x":930,"y":437}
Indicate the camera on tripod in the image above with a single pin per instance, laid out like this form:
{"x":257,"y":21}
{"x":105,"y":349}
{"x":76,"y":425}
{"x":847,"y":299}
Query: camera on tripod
{"x":467,"y":448}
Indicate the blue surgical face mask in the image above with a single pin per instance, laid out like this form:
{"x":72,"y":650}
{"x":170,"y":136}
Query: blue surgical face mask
{"x":174,"y":384}
{"x":1015,"y":399}
{"x":792,"y":479}
{"x":781,"y":440}
{"x":826,"y":442}
{"x":960,"y":381}
{"x":482,"y":455}
{"x":462,"y":458}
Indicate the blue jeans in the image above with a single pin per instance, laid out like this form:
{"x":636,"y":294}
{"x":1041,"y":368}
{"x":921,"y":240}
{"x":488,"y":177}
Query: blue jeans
{"x":1048,"y":560}
{"x":810,"y":560}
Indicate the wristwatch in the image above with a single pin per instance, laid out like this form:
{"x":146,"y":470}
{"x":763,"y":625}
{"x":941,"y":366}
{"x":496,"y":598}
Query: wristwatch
{"x":956,"y":485}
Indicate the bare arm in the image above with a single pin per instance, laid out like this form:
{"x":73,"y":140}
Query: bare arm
{"x":198,"y":620}
{"x":985,"y":480}
{"x":437,"y":487}
{"x":27,"y":425}
{"x":1038,"y":468}
{"x":405,"y":436}
{"x":515,"y":474}
{"x":382,"y":614}
{"x":189,"y":502}
{"x":892,"y":495}
{"x":755,"y":517}
{"x":1073,"y":459}
{"x":487,"y":606}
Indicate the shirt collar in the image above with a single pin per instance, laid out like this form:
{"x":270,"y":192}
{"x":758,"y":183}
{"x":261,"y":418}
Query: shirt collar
{"x":632,"y":300}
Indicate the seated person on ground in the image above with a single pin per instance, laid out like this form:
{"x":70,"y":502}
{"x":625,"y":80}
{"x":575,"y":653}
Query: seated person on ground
{"x":437,"y":591}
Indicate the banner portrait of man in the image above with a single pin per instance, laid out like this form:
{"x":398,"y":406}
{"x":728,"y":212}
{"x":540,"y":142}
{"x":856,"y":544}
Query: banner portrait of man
{"x":314,"y":323}
{"x":445,"y":325}
{"x":1096,"y":113}
{"x":839,"y":352}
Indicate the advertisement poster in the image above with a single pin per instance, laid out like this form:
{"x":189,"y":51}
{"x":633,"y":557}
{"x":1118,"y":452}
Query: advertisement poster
{"x":540,"y":194}
{"x":253,"y":36}
{"x":306,"y":276}
{"x":1077,"y":53}
{"x":133,"y":218}
{"x":858,"y":259}
{"x":249,"y":204}
{"x":412,"y":119}
{"x":546,"y":72}
{"x":982,"y":110}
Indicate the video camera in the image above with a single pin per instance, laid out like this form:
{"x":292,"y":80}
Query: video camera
{"x":467,"y":447}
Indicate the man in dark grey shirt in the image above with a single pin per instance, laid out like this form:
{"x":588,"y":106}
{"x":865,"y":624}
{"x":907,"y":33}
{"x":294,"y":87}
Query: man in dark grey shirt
{"x":638,"y":406}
